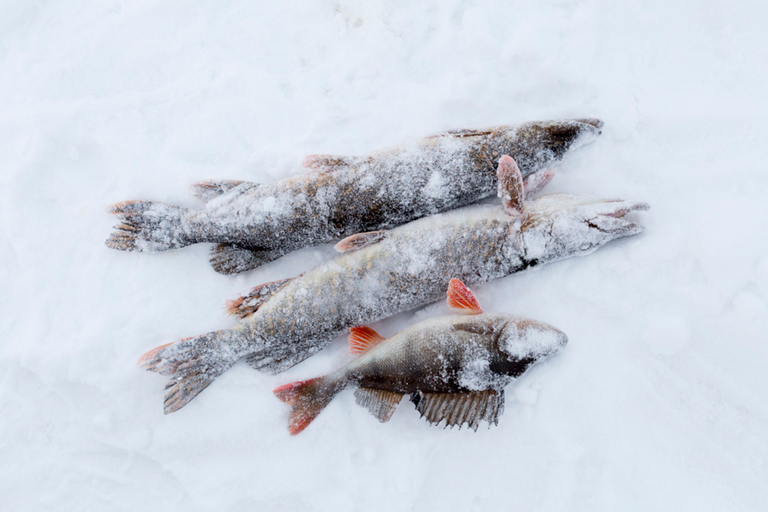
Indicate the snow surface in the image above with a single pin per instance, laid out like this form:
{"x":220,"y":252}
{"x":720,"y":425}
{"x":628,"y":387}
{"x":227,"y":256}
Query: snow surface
{"x":657,"y":403}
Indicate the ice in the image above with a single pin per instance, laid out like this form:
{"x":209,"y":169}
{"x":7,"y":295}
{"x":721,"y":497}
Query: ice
{"x":102,"y":102}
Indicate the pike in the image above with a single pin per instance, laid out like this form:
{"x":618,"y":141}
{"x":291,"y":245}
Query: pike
{"x":254,"y":224}
{"x":383,"y":273}
{"x":454,"y":368}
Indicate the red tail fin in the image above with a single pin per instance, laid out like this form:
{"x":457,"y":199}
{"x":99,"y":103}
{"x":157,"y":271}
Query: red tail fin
{"x":306,"y":398}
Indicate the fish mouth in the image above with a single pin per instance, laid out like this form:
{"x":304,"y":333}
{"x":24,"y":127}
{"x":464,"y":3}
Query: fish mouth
{"x":609,"y":217}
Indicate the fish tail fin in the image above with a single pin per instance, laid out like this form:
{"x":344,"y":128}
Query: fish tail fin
{"x":192,"y":363}
{"x":307,"y":398}
{"x":148,"y":226}
{"x":232,"y":259}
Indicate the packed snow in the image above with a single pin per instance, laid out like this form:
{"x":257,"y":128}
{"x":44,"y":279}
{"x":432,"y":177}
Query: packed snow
{"x":658,"y":402}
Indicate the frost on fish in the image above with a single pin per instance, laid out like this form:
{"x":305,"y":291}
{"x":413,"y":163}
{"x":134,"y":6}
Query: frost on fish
{"x":411,"y":267}
{"x":345,"y":195}
{"x":454,"y":368}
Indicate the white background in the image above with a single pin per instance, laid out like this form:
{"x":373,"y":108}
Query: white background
{"x":659,"y":402}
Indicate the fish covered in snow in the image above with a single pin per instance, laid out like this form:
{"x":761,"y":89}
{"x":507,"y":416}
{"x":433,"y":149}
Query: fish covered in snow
{"x":383,"y":273}
{"x":257,"y":223}
{"x":454,"y":368}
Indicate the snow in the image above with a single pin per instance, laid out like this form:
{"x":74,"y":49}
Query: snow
{"x":658,"y":401}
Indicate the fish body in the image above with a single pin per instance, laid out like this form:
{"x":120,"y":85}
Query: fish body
{"x":257,"y":223}
{"x":408,"y":267}
{"x":454,"y":368}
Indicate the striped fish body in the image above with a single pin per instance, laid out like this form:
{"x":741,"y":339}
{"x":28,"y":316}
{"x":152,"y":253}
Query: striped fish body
{"x":456,"y":354}
{"x":454,"y":368}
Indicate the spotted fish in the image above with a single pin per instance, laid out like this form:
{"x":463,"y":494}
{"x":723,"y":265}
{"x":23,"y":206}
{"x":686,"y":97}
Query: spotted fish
{"x":257,"y":223}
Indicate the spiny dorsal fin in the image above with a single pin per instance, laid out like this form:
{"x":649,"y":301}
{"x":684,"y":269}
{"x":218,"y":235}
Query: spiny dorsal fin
{"x":331,"y":162}
{"x":535,"y":182}
{"x":460,"y":408}
{"x":379,"y":402}
{"x":510,"y":186}
{"x":254,"y":299}
{"x":207,"y":190}
{"x":362,"y":339}
{"x":462,"y":299}
{"x":360,"y":240}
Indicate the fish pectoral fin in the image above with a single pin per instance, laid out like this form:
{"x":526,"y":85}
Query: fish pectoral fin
{"x":361,"y":240}
{"x":211,"y":189}
{"x":462,"y":299}
{"x":362,"y":339}
{"x":460,"y":408}
{"x":379,"y":402}
{"x":254,"y":299}
{"x":331,"y":162}
{"x":510,"y":185}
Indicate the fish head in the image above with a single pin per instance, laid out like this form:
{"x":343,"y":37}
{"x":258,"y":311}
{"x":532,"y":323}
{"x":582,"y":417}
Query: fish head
{"x":528,"y":341}
{"x":540,"y":144}
{"x":561,"y":225}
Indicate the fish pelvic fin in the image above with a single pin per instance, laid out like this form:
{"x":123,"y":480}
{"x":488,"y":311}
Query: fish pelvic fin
{"x":192,"y":364}
{"x":148,"y":226}
{"x":307,"y":398}
{"x":249,"y":303}
{"x":232,"y":259}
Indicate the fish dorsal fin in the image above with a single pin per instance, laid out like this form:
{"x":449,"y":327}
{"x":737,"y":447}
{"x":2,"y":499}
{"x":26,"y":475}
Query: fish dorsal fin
{"x":462,"y":299}
{"x":360,"y":240}
{"x":463,"y":132}
{"x":254,"y":299}
{"x":379,"y":402}
{"x":460,"y":408}
{"x":211,"y":189}
{"x":362,"y":339}
{"x":331,"y":162}
{"x":510,"y":186}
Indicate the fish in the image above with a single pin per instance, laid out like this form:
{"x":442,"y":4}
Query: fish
{"x":380,"y":274}
{"x":253,"y":224}
{"x":454,"y":368}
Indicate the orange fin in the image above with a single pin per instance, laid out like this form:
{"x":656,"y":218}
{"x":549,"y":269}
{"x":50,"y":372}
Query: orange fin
{"x":331,"y":162}
{"x":360,"y":240}
{"x":306,"y":398}
{"x":362,"y":339}
{"x":510,"y":189}
{"x":254,"y":299}
{"x":461,"y":298}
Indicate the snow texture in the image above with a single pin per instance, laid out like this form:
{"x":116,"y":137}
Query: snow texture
{"x":657,"y":403}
